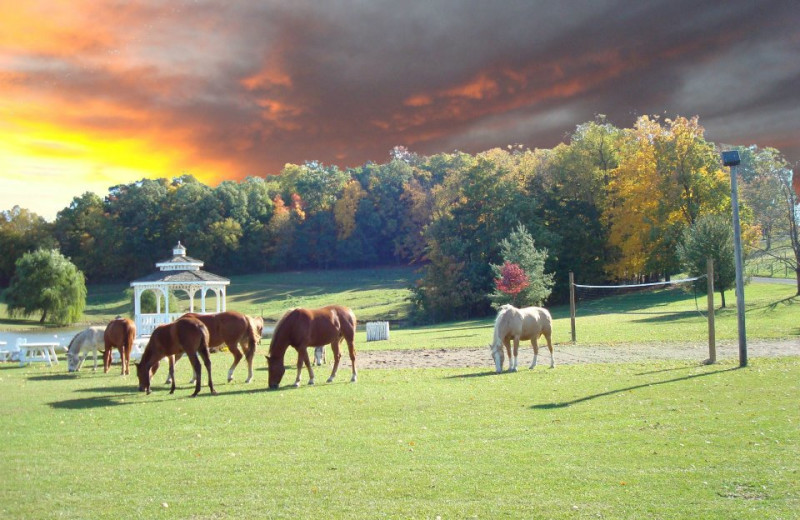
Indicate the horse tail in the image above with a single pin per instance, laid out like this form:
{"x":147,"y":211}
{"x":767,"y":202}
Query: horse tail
{"x":252,"y":338}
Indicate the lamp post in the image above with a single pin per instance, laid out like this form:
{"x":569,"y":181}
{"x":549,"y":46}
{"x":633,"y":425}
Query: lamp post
{"x":731,"y":159}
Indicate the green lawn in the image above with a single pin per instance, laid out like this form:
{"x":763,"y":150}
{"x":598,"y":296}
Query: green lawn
{"x":655,"y":440}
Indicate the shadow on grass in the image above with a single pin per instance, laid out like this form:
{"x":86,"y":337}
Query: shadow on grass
{"x":105,"y":401}
{"x":53,"y":377}
{"x":564,"y":404}
{"x":477,"y":374}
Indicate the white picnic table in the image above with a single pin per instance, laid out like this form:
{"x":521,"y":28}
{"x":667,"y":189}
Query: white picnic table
{"x":43,"y":351}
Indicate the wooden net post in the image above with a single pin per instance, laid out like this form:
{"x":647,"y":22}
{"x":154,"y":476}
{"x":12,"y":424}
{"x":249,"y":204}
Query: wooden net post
{"x":712,"y":347}
{"x":572,"y":304}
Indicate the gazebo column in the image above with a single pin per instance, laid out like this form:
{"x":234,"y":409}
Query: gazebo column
{"x":158,"y":301}
{"x":192,"y":291}
{"x":224,"y":299}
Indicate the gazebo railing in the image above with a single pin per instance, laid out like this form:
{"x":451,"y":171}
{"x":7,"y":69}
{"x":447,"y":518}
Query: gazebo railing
{"x":147,"y":323}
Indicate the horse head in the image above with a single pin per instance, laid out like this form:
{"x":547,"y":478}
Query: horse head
{"x":145,"y":375}
{"x":497,"y":355}
{"x":276,"y":370}
{"x":73,"y":360}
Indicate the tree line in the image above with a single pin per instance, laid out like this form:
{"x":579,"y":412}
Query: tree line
{"x":611,"y":204}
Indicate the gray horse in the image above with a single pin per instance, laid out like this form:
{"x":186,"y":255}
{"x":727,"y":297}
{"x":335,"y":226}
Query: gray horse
{"x":85,"y":341}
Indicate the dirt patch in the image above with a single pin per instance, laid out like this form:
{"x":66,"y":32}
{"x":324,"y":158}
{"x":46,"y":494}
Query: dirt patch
{"x":567,"y":354}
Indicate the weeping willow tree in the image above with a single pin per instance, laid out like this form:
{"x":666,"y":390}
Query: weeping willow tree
{"x":46,"y":281}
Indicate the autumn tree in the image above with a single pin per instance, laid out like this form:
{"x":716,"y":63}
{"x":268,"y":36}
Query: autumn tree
{"x":668,"y":176}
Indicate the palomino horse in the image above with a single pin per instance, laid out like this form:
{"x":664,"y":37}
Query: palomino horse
{"x":88,"y":340}
{"x":520,"y":324}
{"x":303,"y":328}
{"x":185,"y":335}
{"x":233,"y":329}
{"x":120,"y":333}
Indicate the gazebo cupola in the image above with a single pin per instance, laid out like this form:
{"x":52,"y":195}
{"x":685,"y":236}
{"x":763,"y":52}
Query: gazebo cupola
{"x":179,"y":273}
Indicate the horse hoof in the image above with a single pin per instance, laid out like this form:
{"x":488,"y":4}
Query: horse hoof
{"x":311,"y":382}
{"x":214,"y":392}
{"x":354,"y":379}
{"x":330,"y":380}
{"x":297,"y":384}
{"x":230,"y":379}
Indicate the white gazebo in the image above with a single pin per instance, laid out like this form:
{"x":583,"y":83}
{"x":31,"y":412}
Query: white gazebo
{"x":179,"y":273}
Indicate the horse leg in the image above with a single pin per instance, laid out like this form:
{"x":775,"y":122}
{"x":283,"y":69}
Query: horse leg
{"x":125,"y":354}
{"x":300,"y":352}
{"x":319,"y":356}
{"x":513,"y":359}
{"x":535,"y":344}
{"x":94,"y":369}
{"x":249,"y":354}
{"x":507,"y":344}
{"x":307,"y":362}
{"x":237,"y":356}
{"x":550,"y":348}
{"x":337,"y":356}
{"x":197,"y":368}
{"x":351,"y":347}
{"x":171,"y":377}
{"x":204,"y":353}
{"x":107,"y":359}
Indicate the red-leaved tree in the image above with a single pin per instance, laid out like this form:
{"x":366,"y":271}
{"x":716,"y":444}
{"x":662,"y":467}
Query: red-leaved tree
{"x":512,"y":280}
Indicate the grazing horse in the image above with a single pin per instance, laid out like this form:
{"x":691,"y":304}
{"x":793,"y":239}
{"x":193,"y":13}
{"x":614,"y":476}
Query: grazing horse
{"x":520,"y":324}
{"x":185,"y":335}
{"x":120,"y":333}
{"x":88,"y":340}
{"x":233,"y":329}
{"x":303,"y":328}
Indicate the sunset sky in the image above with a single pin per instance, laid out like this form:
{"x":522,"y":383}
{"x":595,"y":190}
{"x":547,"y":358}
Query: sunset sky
{"x":94,"y":94}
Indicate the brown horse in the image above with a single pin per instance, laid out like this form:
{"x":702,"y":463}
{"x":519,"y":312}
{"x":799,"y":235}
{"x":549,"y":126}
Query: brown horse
{"x":119,"y":333}
{"x":303,"y":328}
{"x":233,"y":329}
{"x":185,"y":335}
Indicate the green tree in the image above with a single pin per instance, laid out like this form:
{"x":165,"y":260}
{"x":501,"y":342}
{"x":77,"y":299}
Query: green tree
{"x":46,"y":281}
{"x":711,"y":236}
{"x":519,"y":249}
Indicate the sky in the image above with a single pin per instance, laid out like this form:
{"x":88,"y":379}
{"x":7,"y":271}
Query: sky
{"x":99,"y":93}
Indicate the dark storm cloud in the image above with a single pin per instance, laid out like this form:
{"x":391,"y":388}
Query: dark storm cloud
{"x":257,"y":85}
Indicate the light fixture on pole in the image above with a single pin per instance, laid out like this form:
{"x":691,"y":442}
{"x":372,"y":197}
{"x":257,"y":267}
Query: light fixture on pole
{"x":731,"y":159}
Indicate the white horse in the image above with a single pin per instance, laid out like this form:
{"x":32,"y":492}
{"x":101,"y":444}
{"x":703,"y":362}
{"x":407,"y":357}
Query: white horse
{"x":520,"y":324}
{"x":85,"y":341}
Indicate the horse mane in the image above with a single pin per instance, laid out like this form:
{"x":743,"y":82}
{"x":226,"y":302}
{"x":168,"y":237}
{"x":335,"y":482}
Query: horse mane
{"x":278,"y":326}
{"x":72,"y":341}
{"x":500,"y":315}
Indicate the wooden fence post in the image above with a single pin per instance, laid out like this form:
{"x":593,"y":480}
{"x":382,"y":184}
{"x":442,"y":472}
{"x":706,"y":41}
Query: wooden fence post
{"x":712,"y":347}
{"x":572,"y":304}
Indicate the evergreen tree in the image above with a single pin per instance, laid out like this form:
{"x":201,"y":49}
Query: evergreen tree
{"x":519,"y":249}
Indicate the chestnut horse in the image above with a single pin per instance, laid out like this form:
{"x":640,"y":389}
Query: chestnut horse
{"x":520,"y":324}
{"x":233,"y":329}
{"x":185,"y":335}
{"x":120,"y":333}
{"x":303,"y":328}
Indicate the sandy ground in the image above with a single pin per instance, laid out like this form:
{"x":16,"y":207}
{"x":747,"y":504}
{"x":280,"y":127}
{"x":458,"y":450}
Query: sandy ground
{"x":567,"y":354}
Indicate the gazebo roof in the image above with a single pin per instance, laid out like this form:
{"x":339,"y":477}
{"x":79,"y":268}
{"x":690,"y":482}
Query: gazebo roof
{"x":181,"y":269}
{"x":187,"y":276}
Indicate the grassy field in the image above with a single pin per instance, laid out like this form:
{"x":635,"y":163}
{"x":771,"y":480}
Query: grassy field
{"x":656,"y":440}
{"x":381,"y":294}
{"x":372,"y":293}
